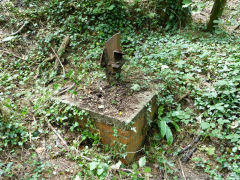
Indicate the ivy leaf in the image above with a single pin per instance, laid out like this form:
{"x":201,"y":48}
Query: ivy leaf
{"x":151,"y":15}
{"x":210,"y":150}
{"x":135,"y":87}
{"x":186,"y":3}
{"x":134,"y":166}
{"x":205,"y":125}
{"x":147,"y":169}
{"x":93,"y":165}
{"x":169,"y":135}
{"x":111,"y":7}
{"x":142,"y":161}
{"x":100,"y":171}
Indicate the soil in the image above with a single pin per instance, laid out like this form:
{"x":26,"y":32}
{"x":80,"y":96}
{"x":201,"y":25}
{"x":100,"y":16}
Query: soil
{"x":116,"y":101}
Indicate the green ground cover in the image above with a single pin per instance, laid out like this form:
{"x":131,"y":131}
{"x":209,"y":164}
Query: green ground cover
{"x":196,"y":73}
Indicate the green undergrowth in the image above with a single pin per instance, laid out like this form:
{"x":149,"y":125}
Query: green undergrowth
{"x":196,"y":74}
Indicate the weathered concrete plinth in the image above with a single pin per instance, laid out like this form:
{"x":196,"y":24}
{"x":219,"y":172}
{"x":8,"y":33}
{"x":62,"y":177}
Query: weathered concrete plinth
{"x":132,"y":129}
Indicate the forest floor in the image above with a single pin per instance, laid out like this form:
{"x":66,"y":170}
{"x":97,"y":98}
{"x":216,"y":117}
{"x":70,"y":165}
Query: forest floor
{"x":196,"y":72}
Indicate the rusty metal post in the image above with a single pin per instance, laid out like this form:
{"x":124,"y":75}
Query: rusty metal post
{"x":112,"y":58}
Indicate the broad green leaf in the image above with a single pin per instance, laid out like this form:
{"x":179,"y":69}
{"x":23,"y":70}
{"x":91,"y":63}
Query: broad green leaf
{"x":160,"y":111}
{"x":142,"y":161}
{"x":169,"y":135}
{"x":176,"y":126}
{"x":162,"y":126}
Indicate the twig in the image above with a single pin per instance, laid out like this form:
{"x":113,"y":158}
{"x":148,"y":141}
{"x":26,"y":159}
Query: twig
{"x":57,"y":55}
{"x":136,"y":151}
{"x":182,"y":169}
{"x":180,"y":23}
{"x":238,"y":26}
{"x":126,"y":170}
{"x":165,"y":172}
{"x":59,"y":60}
{"x":58,"y":135}
{"x":64,"y":90}
{"x":64,"y":142}
{"x":30,"y":137}
{"x":62,"y":49}
{"x":39,"y":66}
{"x":10,"y":53}
{"x":20,"y":29}
{"x":182,"y":97}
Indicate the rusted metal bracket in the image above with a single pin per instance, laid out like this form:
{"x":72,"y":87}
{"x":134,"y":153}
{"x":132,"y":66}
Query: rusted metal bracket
{"x":112,"y":58}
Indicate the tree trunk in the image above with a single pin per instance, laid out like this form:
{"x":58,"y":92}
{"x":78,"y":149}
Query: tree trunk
{"x":216,"y":13}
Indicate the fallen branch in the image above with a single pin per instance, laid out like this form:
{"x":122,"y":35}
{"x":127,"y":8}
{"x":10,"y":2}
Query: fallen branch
{"x":135,"y":151}
{"x":12,"y":36}
{"x":196,"y":140}
{"x":165,"y":172}
{"x":65,"y":143}
{"x":182,"y":97}
{"x":64,"y":90}
{"x":62,"y":49}
{"x":57,"y":55}
{"x":20,"y":29}
{"x":59,"y":60}
{"x":188,"y":155}
{"x":183,"y":174}
{"x":4,"y":112}
{"x":58,"y":135}
{"x":11,"y":54}
{"x":39,"y":66}
{"x":236,"y":28}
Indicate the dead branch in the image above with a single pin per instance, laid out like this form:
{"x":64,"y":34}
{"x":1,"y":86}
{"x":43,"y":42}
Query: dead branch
{"x":183,"y":97}
{"x":62,"y":49}
{"x":64,"y":90}
{"x":11,"y":54}
{"x":196,"y":140}
{"x":65,"y":143}
{"x":20,"y":29}
{"x":4,"y":112}
{"x":188,"y":155}
{"x":39,"y":66}
{"x":58,"y":60}
{"x":237,"y":27}
{"x":57,"y":55}
{"x":165,"y":172}
{"x":126,"y":170}
{"x":58,"y":135}
{"x":180,"y":164}
{"x":135,"y":151}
